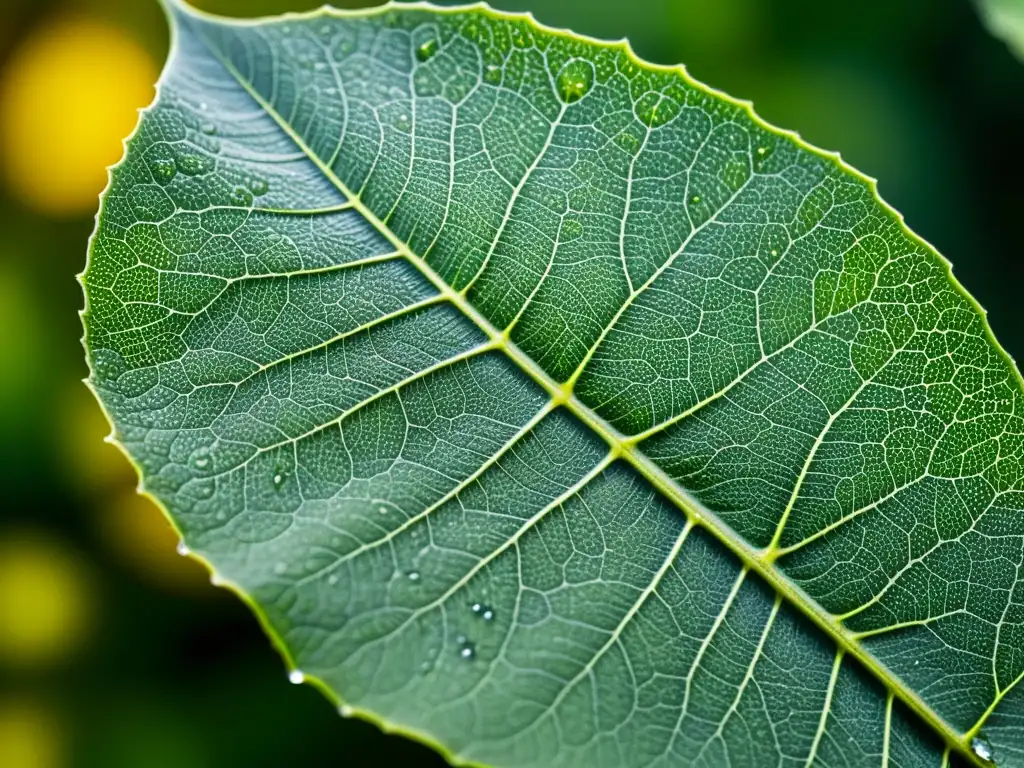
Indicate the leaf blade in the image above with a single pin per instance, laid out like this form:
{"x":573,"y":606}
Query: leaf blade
{"x":544,"y":366}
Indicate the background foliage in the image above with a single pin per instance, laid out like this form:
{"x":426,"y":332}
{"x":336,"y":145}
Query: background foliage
{"x":113,"y":651}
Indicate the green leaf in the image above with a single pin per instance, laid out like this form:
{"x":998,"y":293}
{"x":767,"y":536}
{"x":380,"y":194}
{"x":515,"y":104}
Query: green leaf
{"x":1006,"y":20}
{"x":552,"y":408}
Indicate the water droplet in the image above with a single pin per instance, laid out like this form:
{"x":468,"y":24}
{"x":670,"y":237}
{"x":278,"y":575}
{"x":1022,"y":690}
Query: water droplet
{"x":163,"y":169}
{"x":775,"y":252}
{"x":762,"y":150}
{"x":326,"y":30}
{"x":279,"y":480}
{"x":259,"y":187}
{"x":571,"y":230}
{"x":382,"y":510}
{"x":467,"y":650}
{"x":492,"y":74}
{"x":402,"y":123}
{"x":320,"y":66}
{"x":194,"y":165}
{"x":183,"y":549}
{"x":201,"y":457}
{"x":981,"y":748}
{"x":575,"y":80}
{"x":413,"y":575}
{"x":627,"y":142}
{"x":296,"y":677}
{"x":695,"y":199}
{"x":280,"y":568}
{"x":426,"y":50}
{"x":202,"y":106}
{"x":482,"y":611}
{"x":242,"y":196}
{"x":332,"y":579}
{"x":208,"y":128}
{"x":346,"y":711}
{"x":216,"y":580}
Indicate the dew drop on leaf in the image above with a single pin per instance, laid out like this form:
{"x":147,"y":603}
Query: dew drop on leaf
{"x":163,"y":169}
{"x":413,"y":575}
{"x":201,"y":457}
{"x":241,"y":196}
{"x":482,"y":611}
{"x":575,"y":80}
{"x":193,"y":165}
{"x":208,"y":128}
{"x":259,"y":187}
{"x":296,"y":677}
{"x":981,"y":748}
{"x":427,"y":50}
{"x":571,"y":230}
{"x":183,"y":549}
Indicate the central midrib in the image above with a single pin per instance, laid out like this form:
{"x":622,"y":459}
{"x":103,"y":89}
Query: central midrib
{"x":625,"y":448}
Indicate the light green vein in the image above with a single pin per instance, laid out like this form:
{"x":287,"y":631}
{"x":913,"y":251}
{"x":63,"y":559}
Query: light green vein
{"x":826,"y":708}
{"x":461,"y":486}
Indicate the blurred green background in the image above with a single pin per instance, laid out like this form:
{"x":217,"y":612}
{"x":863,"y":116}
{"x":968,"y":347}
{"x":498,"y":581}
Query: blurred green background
{"x":114,"y":651}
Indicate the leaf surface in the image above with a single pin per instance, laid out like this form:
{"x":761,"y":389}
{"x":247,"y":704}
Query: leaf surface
{"x":552,"y":408}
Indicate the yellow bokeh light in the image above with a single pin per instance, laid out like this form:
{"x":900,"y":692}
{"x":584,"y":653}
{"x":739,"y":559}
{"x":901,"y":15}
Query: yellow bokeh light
{"x":68,"y":96}
{"x":30,"y":737}
{"x":137,"y":530}
{"x":46,"y":601}
{"x":95,"y":466}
